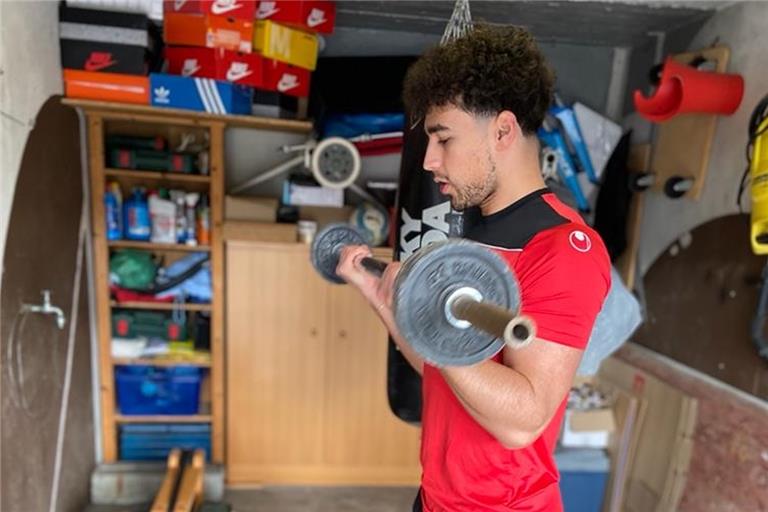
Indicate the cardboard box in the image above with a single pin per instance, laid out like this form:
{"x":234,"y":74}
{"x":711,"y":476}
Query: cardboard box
{"x":286,"y":44}
{"x":202,"y":94}
{"x":217,"y":63}
{"x":325,"y":215}
{"x":588,"y":429}
{"x":208,"y":31}
{"x":315,"y":16}
{"x":111,"y":42}
{"x":91,"y":85}
{"x":297,"y":192}
{"x":241,"y":9}
{"x":259,"y":209}
{"x":286,"y":79}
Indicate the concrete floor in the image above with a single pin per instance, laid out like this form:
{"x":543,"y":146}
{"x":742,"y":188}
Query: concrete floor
{"x":322,"y":499}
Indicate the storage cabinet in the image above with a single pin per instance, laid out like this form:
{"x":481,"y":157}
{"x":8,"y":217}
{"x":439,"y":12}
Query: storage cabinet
{"x":306,"y":377}
{"x":103,"y":119}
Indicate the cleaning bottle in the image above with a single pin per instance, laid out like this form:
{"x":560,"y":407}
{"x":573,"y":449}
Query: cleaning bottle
{"x":191,"y":201}
{"x":113,"y":211}
{"x":203,"y":220}
{"x":136,"y":216}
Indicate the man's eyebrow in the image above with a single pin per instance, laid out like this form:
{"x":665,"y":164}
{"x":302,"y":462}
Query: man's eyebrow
{"x":436,"y":128}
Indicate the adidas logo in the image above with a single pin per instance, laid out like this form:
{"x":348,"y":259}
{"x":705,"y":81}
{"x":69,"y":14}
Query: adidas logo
{"x":162,"y":95}
{"x":266,"y":10}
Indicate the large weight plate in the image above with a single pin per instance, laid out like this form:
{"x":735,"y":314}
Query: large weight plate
{"x":425,"y":281}
{"x":327,"y":245}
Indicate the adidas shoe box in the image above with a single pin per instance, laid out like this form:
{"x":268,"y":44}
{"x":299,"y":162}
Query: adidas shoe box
{"x":312,"y":15}
{"x":107,"y":41}
{"x":203,"y":94}
{"x":217,"y":63}
{"x":241,"y":9}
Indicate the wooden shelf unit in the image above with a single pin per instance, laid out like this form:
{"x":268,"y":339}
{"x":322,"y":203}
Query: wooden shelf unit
{"x":125,"y":361}
{"x":98,"y":118}
{"x":161,"y":306}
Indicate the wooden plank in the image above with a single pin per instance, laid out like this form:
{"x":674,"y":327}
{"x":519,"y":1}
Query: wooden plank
{"x":148,"y":113}
{"x":627,"y":427}
{"x":162,"y":501}
{"x":101,"y":279}
{"x":123,"y":361}
{"x":171,"y":418}
{"x":217,"y":280}
{"x":150,"y":246}
{"x":161,"y":306}
{"x":653,"y":483}
{"x":638,"y":161}
{"x":683,"y":143}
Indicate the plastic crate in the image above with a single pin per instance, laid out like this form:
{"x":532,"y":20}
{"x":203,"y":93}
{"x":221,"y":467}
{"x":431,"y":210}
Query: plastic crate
{"x":583,"y":478}
{"x":153,"y":442}
{"x":144,"y":390}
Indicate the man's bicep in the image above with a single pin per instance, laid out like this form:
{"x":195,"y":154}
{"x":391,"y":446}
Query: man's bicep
{"x":549,"y":368}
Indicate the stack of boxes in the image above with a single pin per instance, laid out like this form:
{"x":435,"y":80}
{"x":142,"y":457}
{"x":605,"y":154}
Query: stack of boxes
{"x":236,"y":56}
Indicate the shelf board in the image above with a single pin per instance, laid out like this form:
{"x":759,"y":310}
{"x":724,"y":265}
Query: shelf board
{"x":138,"y":174}
{"x":256,"y":122}
{"x":161,"y":306}
{"x":195,"y":418}
{"x":123,"y":361}
{"x":133,"y":244}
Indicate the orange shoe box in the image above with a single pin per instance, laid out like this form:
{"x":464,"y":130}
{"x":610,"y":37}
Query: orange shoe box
{"x":95,"y":85}
{"x":208,"y":31}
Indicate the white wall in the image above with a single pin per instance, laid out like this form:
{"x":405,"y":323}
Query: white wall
{"x":743,"y":28}
{"x":30,"y":72}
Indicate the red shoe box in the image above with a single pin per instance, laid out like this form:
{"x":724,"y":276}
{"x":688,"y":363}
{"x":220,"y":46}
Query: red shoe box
{"x":314,"y":15}
{"x":208,"y":31}
{"x":241,"y":68}
{"x":285,"y":78}
{"x":241,"y":9}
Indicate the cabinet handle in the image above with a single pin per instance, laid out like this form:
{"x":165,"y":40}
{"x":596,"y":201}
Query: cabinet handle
{"x":313,"y":332}
{"x":342,"y":334}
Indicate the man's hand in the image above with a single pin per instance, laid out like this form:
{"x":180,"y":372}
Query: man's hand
{"x":377,"y":291}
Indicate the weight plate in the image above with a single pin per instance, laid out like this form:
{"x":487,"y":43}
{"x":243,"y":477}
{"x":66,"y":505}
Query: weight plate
{"x":428,"y":278}
{"x":326,"y":247}
{"x":335,"y":163}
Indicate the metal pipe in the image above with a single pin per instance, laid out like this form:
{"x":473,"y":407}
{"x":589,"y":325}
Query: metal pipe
{"x":517,"y":331}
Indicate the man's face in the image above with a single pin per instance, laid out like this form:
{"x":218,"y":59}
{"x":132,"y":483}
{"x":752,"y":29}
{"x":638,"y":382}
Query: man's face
{"x":459,"y":157}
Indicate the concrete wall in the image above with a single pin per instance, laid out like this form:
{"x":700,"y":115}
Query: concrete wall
{"x":742,"y":27}
{"x":30,"y":72}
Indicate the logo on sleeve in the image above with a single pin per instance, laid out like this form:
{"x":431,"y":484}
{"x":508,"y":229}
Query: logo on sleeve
{"x":580,"y":241}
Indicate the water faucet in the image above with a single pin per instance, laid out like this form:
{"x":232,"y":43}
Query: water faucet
{"x":46,"y":308}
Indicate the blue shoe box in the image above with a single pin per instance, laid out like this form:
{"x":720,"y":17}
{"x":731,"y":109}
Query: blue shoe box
{"x":583,"y":478}
{"x":203,"y":94}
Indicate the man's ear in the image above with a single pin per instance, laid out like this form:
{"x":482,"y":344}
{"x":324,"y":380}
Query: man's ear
{"x":505,"y":129}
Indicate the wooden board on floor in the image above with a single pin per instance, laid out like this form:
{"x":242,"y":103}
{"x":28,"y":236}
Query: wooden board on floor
{"x":657,"y":474}
{"x":684,"y":142}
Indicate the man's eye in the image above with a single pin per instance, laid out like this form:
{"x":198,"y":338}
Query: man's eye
{"x":442,"y":141}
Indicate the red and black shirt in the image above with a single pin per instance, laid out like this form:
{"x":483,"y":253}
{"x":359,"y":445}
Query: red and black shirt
{"x":563,"y":271}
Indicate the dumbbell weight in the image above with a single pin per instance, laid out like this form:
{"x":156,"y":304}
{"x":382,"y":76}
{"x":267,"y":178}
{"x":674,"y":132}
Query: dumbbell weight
{"x":454,"y":301}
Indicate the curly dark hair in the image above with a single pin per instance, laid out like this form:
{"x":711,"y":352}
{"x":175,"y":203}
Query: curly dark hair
{"x":489,"y":70}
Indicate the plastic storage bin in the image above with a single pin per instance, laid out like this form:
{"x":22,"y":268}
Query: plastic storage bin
{"x":583,"y":478}
{"x":143,"y":390}
{"x":154,"y":442}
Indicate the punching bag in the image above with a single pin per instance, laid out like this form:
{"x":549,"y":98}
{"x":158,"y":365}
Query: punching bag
{"x":423,"y":216}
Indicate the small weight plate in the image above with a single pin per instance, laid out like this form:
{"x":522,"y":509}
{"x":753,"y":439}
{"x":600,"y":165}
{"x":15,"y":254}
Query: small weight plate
{"x":327,"y":245}
{"x":428,"y":278}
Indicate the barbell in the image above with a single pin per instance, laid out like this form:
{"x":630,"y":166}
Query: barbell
{"x":455,"y":302}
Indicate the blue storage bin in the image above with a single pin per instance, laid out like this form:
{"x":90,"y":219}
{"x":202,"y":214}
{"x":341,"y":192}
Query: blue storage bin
{"x":583,"y":478}
{"x":154,"y":442}
{"x":145,"y":390}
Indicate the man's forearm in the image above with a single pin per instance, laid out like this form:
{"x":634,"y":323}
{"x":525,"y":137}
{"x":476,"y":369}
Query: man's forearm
{"x":415,"y":360}
{"x":500,"y":399}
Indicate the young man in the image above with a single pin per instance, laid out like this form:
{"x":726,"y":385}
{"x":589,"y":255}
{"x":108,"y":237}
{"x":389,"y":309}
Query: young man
{"x":489,"y":430}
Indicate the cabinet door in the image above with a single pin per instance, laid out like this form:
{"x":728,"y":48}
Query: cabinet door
{"x":276,"y":328}
{"x":363,"y":441}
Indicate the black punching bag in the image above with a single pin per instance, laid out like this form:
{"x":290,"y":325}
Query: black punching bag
{"x":424,"y":216}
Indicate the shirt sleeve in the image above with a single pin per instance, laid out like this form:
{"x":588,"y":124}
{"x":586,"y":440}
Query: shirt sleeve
{"x":564,"y":276}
